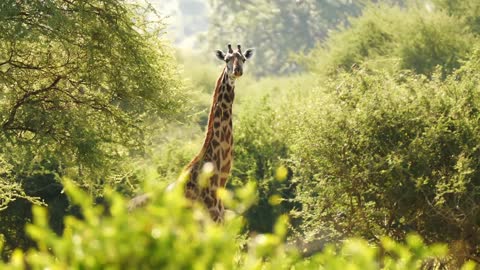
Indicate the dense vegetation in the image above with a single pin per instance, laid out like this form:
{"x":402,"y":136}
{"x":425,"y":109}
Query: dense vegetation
{"x":80,"y":84}
{"x":348,"y":164}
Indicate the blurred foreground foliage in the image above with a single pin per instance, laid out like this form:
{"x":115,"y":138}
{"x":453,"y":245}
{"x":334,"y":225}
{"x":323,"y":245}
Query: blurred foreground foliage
{"x":171,"y":234}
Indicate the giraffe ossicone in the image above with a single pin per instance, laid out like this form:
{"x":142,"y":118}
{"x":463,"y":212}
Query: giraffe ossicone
{"x":209,"y":170}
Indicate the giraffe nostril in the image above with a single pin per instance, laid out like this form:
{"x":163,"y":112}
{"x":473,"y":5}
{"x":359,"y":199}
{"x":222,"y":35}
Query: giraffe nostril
{"x":238,"y":71}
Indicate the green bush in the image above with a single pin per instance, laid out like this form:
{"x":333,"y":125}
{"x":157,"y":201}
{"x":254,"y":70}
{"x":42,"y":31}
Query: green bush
{"x":394,"y":38}
{"x":379,"y":154}
{"x":259,"y":150}
{"x":170,"y":234}
{"x":467,"y":11}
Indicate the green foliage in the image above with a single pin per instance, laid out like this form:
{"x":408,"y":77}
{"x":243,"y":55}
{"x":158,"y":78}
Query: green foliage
{"x":465,"y":10}
{"x":395,"y":38}
{"x":384,"y":154}
{"x":170,"y":234}
{"x":259,"y":150}
{"x":87,"y":93}
{"x":80,"y":82}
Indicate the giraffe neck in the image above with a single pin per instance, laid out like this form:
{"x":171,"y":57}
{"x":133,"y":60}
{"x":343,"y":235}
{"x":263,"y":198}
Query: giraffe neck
{"x":217,"y":149}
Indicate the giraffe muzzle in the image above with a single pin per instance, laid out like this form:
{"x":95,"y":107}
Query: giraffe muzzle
{"x":237,"y":72}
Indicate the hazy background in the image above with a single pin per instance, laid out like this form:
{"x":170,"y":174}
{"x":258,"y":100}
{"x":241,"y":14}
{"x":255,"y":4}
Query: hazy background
{"x":186,"y":19}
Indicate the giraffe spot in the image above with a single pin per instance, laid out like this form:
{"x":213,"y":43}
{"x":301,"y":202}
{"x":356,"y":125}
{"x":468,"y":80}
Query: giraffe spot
{"x":217,"y":133}
{"x":215,"y":144}
{"x":216,"y":124}
{"x":229,"y":88}
{"x":218,"y":112}
{"x":214,"y":180}
{"x":218,"y":153}
{"x":227,"y":98}
{"x":216,"y":215}
{"x":194,"y":175}
{"x":224,"y":106}
{"x":217,"y":162}
{"x":226,"y":152}
{"x":223,"y":181}
{"x":208,"y":200}
{"x":222,"y":136}
{"x":226,"y":167}
{"x":225,"y":115}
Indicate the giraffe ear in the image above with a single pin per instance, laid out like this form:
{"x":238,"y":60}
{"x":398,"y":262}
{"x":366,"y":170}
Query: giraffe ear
{"x":249,"y":53}
{"x":220,"y":55}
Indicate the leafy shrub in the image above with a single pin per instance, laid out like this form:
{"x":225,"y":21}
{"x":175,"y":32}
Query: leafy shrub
{"x":378,"y":154}
{"x":259,"y":150}
{"x":395,"y":38}
{"x":173,"y":235}
{"x":467,"y":11}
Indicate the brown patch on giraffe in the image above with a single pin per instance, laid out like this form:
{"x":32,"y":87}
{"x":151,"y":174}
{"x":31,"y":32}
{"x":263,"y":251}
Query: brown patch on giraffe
{"x":218,"y":112}
{"x":216,"y":124}
{"x":214,"y":179}
{"x":217,"y":133}
{"x":215,"y":144}
{"x":215,"y":214}
{"x":217,"y":162}
{"x":225,"y":115}
{"x":226,"y":152}
{"x":208,"y":154}
{"x":222,"y":136}
{"x":208,"y":200}
{"x":226,"y":167}
{"x":223,"y":182}
{"x":227,"y":98}
{"x":194,"y":173}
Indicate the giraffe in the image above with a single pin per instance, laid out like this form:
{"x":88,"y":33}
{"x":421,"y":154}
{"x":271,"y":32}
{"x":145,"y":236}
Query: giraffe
{"x":215,"y":155}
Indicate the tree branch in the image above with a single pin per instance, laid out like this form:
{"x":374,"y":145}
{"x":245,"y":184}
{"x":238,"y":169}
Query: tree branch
{"x":24,"y":99}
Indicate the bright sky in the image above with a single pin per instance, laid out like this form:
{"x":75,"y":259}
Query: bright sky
{"x":186,"y":18}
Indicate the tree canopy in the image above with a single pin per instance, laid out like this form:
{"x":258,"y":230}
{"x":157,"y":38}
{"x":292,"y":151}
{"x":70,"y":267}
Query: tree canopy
{"x":79,"y":83}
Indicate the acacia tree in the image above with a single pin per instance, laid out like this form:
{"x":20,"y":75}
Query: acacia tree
{"x":79,"y":83}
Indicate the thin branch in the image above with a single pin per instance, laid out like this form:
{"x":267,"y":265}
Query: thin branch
{"x":24,"y":98}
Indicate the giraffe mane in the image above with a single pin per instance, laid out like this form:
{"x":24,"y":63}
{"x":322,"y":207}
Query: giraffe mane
{"x":209,"y":135}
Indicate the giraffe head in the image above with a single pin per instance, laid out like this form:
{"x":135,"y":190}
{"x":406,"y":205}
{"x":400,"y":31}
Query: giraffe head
{"x":234,"y":60}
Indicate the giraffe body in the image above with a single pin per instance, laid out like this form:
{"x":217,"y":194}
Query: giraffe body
{"x":216,"y":152}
